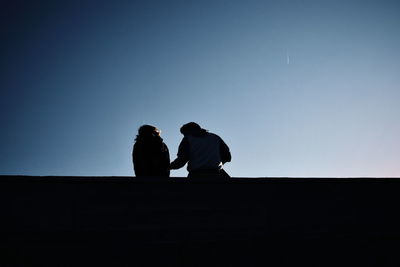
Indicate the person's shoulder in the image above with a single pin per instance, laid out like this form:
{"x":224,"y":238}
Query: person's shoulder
{"x":139,"y":142}
{"x":136,"y":144}
{"x":185,"y":141}
{"x":217,"y":137}
{"x":213,"y":135}
{"x":139,"y":146}
{"x":164,"y":145}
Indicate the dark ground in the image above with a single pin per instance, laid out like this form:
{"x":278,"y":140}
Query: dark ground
{"x":122,"y":221}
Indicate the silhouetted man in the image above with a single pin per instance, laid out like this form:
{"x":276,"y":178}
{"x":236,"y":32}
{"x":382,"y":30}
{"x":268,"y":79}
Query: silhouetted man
{"x":204,"y":152}
{"x":150,"y":154}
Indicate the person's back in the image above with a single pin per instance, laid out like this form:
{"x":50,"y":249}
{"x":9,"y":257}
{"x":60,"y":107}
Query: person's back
{"x":150,"y":154}
{"x":204,"y":152}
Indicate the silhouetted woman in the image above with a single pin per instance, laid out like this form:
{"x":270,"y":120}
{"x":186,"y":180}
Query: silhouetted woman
{"x":150,"y":154}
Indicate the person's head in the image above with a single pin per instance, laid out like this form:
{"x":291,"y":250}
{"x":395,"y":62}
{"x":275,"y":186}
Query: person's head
{"x":148,"y":131}
{"x":192,"y":128}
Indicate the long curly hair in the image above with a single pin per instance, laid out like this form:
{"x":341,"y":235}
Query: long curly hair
{"x":147,"y":132}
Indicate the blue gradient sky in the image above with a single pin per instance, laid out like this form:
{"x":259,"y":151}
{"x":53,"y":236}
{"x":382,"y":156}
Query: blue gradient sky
{"x":295,"y":88}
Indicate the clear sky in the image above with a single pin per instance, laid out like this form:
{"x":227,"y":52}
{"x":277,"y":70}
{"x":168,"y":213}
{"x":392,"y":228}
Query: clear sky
{"x":295,"y":88}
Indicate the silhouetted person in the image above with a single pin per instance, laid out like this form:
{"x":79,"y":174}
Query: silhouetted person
{"x":204,"y":152}
{"x":150,"y":154}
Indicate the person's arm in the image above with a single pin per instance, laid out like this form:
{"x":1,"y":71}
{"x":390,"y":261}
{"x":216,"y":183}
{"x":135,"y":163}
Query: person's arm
{"x":224,"y":150}
{"x":166,"y":159}
{"x":183,"y":155}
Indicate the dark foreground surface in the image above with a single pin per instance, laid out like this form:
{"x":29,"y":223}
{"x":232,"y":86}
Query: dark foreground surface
{"x":120,"y":221}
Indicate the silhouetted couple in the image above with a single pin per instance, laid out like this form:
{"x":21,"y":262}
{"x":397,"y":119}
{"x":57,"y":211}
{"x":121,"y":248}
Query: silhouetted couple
{"x":204,"y":152}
